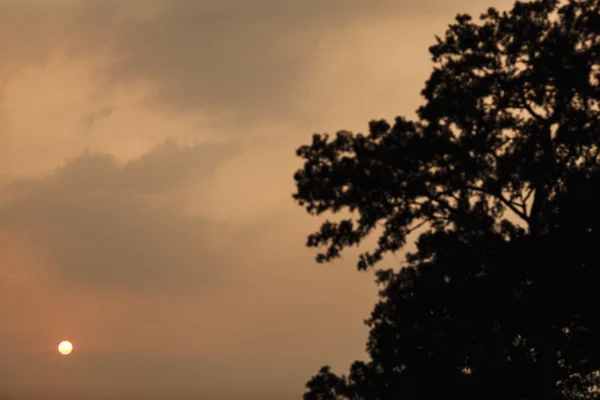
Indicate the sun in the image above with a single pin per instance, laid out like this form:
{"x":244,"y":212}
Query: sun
{"x":65,"y":348}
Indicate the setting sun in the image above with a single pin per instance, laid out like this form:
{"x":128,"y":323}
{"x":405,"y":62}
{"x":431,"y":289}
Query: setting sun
{"x":65,"y":348}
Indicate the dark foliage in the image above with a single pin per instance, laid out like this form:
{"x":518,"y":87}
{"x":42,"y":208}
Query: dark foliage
{"x":501,"y":166}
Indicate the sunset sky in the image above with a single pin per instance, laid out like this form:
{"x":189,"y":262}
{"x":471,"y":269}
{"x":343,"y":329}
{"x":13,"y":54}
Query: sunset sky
{"x":147,"y":150}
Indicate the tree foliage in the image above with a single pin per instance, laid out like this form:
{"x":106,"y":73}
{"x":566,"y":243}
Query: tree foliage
{"x":500,"y":166}
{"x":460,"y":318}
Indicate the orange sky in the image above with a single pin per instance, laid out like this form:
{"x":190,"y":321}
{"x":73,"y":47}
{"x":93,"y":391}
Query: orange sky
{"x":146,"y":162}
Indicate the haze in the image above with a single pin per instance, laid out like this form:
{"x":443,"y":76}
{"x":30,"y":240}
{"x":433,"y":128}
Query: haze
{"x":146,"y":162}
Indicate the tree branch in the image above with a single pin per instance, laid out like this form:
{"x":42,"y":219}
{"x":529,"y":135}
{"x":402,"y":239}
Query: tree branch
{"x":529,"y":109}
{"x":415,"y":227}
{"x":499,"y":196}
{"x":528,"y":195}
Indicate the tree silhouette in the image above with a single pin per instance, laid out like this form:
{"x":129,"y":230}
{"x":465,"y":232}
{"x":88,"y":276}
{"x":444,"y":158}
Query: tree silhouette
{"x":456,"y":322}
{"x":508,"y":133}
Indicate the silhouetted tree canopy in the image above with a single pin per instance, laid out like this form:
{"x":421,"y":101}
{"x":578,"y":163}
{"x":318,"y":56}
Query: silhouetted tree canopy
{"x":460,"y":318}
{"x":501,"y":167}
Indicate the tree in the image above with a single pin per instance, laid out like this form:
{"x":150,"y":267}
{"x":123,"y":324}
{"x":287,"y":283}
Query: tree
{"x":428,"y":338}
{"x":456,"y":322}
{"x":511,"y":116}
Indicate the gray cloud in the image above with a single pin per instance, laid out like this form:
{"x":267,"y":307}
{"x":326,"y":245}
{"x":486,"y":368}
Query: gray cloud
{"x":246,"y":60}
{"x":236,"y":60}
{"x":93,"y":117}
{"x":165,"y":168}
{"x":222,"y":57}
{"x":101,"y":224}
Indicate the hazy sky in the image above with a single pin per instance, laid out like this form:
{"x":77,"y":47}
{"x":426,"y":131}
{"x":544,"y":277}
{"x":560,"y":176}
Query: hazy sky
{"x":146,"y":162}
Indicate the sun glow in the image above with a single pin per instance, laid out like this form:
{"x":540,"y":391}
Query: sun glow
{"x":65,"y":348}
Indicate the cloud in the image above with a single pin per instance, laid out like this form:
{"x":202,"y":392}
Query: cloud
{"x":236,"y":60}
{"x":120,"y":226}
{"x":253,"y":60}
{"x":91,"y":118}
{"x":243,"y":61}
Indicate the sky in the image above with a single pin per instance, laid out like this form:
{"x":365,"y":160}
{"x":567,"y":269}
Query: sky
{"x":147,"y":150}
